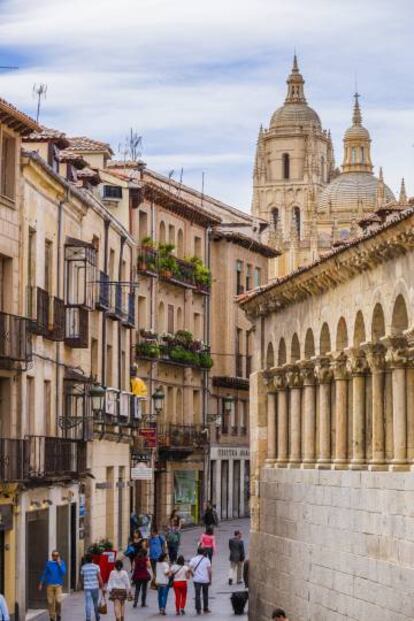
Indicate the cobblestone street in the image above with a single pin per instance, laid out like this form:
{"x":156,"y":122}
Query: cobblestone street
{"x":73,"y":608}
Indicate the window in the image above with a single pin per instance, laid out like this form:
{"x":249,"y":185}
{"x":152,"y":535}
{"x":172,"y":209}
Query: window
{"x":47,"y":402}
{"x":6,"y":283}
{"x":362,"y":155}
{"x":286,"y":165}
{"x":94,"y":357}
{"x":239,"y":270}
{"x":109,"y":375}
{"x":197,"y":326}
{"x":170,"y":319}
{"x":112,"y":192}
{"x":248,"y":277}
{"x":142,"y":225}
{"x":180,"y":244}
{"x":48,"y":285}
{"x":8,"y":167}
{"x":296,"y":219}
{"x":353,"y":152}
{"x":197,"y":247}
{"x":257,"y":277}
{"x":161,"y":317}
{"x":162,"y":233}
{"x":30,"y":406}
{"x":275,"y":218}
{"x":80,"y":274}
{"x":171,"y":234}
{"x":239,"y":355}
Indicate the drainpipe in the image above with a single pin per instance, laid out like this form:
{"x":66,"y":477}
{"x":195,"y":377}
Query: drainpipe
{"x":105,"y":269}
{"x":59,"y":295}
{"x":206,"y":336}
{"x":121,"y":255}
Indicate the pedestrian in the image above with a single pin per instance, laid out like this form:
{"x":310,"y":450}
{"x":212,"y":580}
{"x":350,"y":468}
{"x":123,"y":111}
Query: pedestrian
{"x":237,"y":557}
{"x":208,"y":542}
{"x":173,"y":543}
{"x":162,"y":582}
{"x":180,"y":575}
{"x":4,"y":611}
{"x":53,"y":576}
{"x":175,"y":521}
{"x":279,"y":614}
{"x":92,"y":582}
{"x":156,"y":548}
{"x":215,"y":515}
{"x":119,"y":587}
{"x":141,"y":576}
{"x":208,"y":517}
{"x":200,"y":568}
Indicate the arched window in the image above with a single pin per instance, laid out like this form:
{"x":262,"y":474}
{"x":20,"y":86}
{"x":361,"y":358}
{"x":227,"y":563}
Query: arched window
{"x":353,"y":152}
{"x":295,"y":349}
{"x":309,"y":344}
{"x":359,"y":329}
{"x":323,"y":172}
{"x":325,"y":340}
{"x":180,"y":244}
{"x":162,"y":234}
{"x":161,"y":317}
{"x":362,"y":155}
{"x":270,"y":358}
{"x":296,"y":219}
{"x":286,"y":166}
{"x":275,"y":218}
{"x":281,"y":357}
{"x":399,"y":321}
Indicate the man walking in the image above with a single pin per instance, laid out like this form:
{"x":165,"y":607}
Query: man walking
{"x":237,"y":556}
{"x":200,"y":568}
{"x":53,"y":576}
{"x":92,"y":582}
{"x":156,"y":548}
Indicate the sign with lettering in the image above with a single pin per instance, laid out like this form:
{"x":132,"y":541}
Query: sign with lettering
{"x":229,"y":452}
{"x":141,"y":472}
{"x":150,"y":436}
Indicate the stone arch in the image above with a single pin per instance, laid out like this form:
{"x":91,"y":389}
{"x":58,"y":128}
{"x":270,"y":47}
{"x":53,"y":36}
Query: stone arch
{"x":341,"y":335}
{"x":295,"y":349}
{"x":309,"y":344}
{"x":378,"y":323}
{"x":281,"y":354}
{"x":325,"y":339}
{"x":270,"y":356}
{"x":162,"y":233}
{"x":161,"y":317}
{"x":180,"y":244}
{"x":359,"y":329}
{"x":399,"y":321}
{"x":180,"y":324}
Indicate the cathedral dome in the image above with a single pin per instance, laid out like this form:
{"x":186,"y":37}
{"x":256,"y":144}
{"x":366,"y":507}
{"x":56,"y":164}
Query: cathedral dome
{"x":351,"y":190}
{"x":294,"y":115}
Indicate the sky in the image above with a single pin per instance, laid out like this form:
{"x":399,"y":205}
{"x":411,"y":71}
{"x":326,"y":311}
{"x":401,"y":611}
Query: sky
{"x":196,"y":78}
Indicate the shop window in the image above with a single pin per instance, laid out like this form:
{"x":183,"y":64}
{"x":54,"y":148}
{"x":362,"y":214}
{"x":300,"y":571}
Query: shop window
{"x":8,"y":167}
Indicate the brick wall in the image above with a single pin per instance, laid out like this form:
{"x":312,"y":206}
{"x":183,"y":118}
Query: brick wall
{"x":333,"y":546}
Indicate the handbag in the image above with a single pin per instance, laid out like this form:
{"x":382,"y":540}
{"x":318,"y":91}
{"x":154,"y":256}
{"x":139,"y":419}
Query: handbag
{"x":102,"y":606}
{"x":171,"y":580}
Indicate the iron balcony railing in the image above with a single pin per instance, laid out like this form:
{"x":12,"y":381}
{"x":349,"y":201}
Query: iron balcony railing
{"x":15,"y":341}
{"x":77,"y":327}
{"x":181,"y":437}
{"x":41,"y":458}
{"x":102,"y":302}
{"x":47,"y":314}
{"x":129,"y":319}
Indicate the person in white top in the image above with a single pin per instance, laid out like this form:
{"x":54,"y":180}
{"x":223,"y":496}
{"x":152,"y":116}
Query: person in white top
{"x":180,"y":575}
{"x":200,"y":568}
{"x":119,"y":587}
{"x":162,"y":580}
{"x":4,"y":611}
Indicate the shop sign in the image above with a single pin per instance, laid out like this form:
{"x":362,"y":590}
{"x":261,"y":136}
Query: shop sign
{"x":150,"y":436}
{"x":141,"y":472}
{"x":140,"y":456}
{"x":229,"y":452}
{"x":6,"y":517}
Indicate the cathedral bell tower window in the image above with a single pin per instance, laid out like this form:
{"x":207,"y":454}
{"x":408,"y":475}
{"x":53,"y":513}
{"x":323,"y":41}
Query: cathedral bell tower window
{"x":296,"y":220}
{"x":275,"y":218}
{"x":286,"y":166}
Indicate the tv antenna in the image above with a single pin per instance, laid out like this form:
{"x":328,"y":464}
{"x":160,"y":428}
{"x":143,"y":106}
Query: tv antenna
{"x":39,"y":91}
{"x":180,"y":182}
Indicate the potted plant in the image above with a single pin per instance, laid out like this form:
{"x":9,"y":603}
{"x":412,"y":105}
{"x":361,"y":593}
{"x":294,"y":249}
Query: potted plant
{"x":103,"y":555}
{"x":147,"y":243}
{"x":206,"y":361}
{"x":167,"y":263}
{"x":184,"y":337}
{"x":202,"y":274}
{"x":146,"y":257}
{"x":148,"y":349}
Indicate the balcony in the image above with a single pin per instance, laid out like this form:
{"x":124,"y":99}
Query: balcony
{"x":47,"y":314}
{"x":116,"y":305}
{"x":178,"y":441}
{"x":147,"y":261}
{"x":180,"y":349}
{"x":56,"y":330}
{"x":102,"y":302}
{"x":15,"y":341}
{"x":41,"y":458}
{"x":129,"y":315}
{"x":77,"y":327}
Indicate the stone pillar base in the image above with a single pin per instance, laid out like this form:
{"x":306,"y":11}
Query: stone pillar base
{"x":270,"y":463}
{"x":356,"y":465}
{"x":399,"y":467}
{"x":308,"y":465}
{"x":340,"y":464}
{"x":375,"y":466}
{"x":323,"y":464}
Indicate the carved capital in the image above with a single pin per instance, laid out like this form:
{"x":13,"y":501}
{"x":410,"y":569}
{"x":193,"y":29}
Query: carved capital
{"x":397,"y":354}
{"x":357,"y":362}
{"x":279,"y":380}
{"x":375,"y":355}
{"x":323,"y":371}
{"x":307,"y":372}
{"x":293,"y":377}
{"x":339,"y":367}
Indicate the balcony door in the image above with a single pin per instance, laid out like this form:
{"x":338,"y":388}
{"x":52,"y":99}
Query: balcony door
{"x":37,"y":553}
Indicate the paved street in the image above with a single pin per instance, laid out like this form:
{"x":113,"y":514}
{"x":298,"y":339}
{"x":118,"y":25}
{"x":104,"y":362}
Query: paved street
{"x":220,"y":590}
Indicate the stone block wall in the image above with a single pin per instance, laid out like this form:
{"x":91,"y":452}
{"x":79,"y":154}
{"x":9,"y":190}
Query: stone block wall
{"x":333,"y":546}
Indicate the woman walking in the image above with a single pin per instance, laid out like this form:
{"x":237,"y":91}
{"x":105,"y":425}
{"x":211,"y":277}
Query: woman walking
{"x":174,"y":535}
{"x":208,"y":542}
{"x":140,"y":577}
{"x":162,"y":582}
{"x":119,"y":587}
{"x":180,"y":575}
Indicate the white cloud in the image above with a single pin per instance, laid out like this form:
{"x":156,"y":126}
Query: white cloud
{"x":197,"y":79}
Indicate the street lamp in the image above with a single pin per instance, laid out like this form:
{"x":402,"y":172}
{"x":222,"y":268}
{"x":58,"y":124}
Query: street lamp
{"x":158,"y":400}
{"x":97,"y":394}
{"x":228,"y":404}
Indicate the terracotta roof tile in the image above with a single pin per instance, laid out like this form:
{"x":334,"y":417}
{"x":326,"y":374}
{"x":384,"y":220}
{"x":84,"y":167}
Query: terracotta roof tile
{"x":85,"y":144}
{"x":45,"y":134}
{"x":16,"y":119}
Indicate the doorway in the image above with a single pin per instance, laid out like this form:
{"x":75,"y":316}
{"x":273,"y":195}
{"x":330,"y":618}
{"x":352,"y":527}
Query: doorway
{"x":73,"y":547}
{"x":37,"y":553}
{"x":62,"y":539}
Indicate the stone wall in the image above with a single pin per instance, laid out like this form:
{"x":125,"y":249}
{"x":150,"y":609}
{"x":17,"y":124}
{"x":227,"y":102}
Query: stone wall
{"x":333,"y":546}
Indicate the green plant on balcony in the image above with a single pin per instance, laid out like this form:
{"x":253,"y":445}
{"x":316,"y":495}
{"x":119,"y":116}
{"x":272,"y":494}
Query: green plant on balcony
{"x":148,"y":349}
{"x":184,"y":337}
{"x":167,"y":263}
{"x":206,"y":361}
{"x":202,"y":274}
{"x":178,"y":353}
{"x":148,"y":242}
{"x":98,"y":547}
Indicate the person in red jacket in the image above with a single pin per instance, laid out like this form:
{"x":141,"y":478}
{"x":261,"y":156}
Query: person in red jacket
{"x":141,"y":576}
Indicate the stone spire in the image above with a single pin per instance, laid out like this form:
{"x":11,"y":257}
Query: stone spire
{"x":295,"y":82}
{"x":380,"y":196}
{"x":403,"y":200}
{"x":259,"y":153}
{"x":357,"y":144}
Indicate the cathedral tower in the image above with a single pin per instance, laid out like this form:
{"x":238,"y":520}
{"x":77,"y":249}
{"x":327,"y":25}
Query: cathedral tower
{"x":294,"y":162}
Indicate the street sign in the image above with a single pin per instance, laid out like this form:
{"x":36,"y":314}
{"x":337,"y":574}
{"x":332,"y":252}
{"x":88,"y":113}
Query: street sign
{"x":150,"y":436}
{"x":141,"y":472}
{"x":141,"y":455}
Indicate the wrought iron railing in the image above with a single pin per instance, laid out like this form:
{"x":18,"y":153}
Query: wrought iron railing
{"x":15,"y":340}
{"x":181,"y":436}
{"x":129,"y":319}
{"x":14,"y":460}
{"x":102,"y":302}
{"x":77,"y":327}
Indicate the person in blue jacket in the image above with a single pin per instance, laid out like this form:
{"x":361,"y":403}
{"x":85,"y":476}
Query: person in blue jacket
{"x":53,"y":577}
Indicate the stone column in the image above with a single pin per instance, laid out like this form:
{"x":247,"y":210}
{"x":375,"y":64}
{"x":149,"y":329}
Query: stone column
{"x":279,"y":382}
{"x":231,"y":488}
{"x":241,"y":483}
{"x":340,"y":374}
{"x":271,"y":427}
{"x":324,"y":377}
{"x":397,"y":358}
{"x":376,"y":361}
{"x":294,"y":382}
{"x":218,"y":486}
{"x":358,"y":367}
{"x":307,"y":371}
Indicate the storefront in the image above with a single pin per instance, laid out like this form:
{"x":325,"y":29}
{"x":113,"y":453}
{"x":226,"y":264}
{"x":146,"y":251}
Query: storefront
{"x":187,"y":495}
{"x":229,"y":481}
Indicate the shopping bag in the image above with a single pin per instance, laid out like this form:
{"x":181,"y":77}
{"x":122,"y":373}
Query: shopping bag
{"x":102,"y":606}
